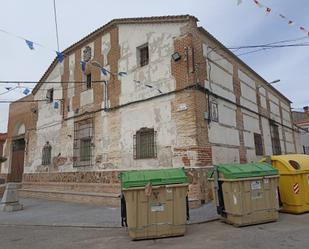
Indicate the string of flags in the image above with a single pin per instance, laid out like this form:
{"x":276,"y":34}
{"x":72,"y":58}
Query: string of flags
{"x":31,"y":44}
{"x":269,"y":10}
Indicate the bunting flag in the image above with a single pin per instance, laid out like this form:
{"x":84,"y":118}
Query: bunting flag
{"x":269,"y":10}
{"x":83,"y":65}
{"x":60,"y":56}
{"x":104,"y":71}
{"x":258,"y":4}
{"x":26,"y":91}
{"x":30,"y":44}
{"x":8,"y":88}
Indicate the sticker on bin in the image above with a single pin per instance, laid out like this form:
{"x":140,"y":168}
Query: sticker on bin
{"x":256,"y":195}
{"x":157,"y":208}
{"x":256,"y":185}
{"x":296,"y":188}
{"x":266,"y":180}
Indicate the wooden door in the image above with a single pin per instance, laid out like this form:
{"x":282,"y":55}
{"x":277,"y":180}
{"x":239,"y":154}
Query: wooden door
{"x":17,"y":166}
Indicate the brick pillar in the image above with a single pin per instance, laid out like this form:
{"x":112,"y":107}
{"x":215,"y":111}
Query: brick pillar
{"x":239,"y":116}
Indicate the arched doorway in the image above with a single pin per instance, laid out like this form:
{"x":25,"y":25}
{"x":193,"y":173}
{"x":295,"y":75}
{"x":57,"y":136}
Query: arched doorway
{"x":18,"y":154}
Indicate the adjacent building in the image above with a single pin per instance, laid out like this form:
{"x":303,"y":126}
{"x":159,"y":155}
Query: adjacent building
{"x":144,"y":93}
{"x":302,"y":121}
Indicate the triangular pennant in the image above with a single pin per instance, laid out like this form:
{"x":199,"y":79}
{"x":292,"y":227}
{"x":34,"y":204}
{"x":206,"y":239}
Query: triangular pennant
{"x":8,"y":88}
{"x":268,"y":10}
{"x":26,"y":91}
{"x":104,"y":71}
{"x":60,"y":56}
{"x":258,"y":3}
{"x":83,"y":65}
{"x":282,"y":16}
{"x":290,"y":22}
{"x":29,"y":44}
{"x":302,"y":28}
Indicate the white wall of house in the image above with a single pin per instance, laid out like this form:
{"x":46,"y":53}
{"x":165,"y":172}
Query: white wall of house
{"x":160,"y":40}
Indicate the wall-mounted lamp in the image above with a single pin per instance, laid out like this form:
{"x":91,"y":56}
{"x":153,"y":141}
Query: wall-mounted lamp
{"x":176,"y":56}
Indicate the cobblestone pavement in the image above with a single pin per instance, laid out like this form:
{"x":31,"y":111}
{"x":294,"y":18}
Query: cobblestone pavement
{"x":43,"y":212}
{"x":291,"y":231}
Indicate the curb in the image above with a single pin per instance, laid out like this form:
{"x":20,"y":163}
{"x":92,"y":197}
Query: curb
{"x":93,"y":226}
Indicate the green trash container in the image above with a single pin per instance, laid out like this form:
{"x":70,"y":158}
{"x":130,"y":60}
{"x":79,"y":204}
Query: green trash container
{"x":155,"y":202}
{"x":246,"y":194}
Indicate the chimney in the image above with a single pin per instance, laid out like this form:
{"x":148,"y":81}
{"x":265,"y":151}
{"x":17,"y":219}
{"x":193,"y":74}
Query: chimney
{"x":306,"y":109}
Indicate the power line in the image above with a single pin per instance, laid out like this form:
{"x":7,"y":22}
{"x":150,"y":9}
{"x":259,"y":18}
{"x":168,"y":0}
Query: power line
{"x":56,"y":25}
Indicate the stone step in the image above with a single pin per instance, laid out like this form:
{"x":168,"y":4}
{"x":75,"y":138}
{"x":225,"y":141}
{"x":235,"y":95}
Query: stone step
{"x":106,"y":199}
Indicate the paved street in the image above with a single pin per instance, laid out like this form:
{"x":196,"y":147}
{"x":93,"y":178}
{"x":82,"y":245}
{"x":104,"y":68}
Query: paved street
{"x":290,"y":232}
{"x":43,"y":212}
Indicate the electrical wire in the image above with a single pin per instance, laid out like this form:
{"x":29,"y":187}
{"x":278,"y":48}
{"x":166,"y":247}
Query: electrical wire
{"x":56,"y":25}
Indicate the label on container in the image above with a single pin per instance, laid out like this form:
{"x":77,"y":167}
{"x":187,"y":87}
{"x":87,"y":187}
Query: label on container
{"x":256,"y":195}
{"x":256,"y":185}
{"x":266,"y":180}
{"x":157,"y":208}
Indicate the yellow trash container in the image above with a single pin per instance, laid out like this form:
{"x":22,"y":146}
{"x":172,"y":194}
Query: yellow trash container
{"x":293,"y":182}
{"x":155,"y":202}
{"x":246,"y":194}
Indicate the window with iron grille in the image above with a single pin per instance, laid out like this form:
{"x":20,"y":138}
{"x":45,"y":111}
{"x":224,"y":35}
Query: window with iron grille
{"x":144,"y":143}
{"x":275,"y":139}
{"x":83,"y":135}
{"x":258,"y":144}
{"x":88,"y":81}
{"x":46,"y":154}
{"x":50,"y":95}
{"x":306,"y":150}
{"x":143,"y":52}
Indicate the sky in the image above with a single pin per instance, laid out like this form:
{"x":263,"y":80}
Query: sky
{"x":231,"y":24}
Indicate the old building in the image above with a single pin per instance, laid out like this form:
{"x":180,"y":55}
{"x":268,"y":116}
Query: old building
{"x":302,"y":121}
{"x":2,"y":141}
{"x":22,"y":121}
{"x":146,"y":93}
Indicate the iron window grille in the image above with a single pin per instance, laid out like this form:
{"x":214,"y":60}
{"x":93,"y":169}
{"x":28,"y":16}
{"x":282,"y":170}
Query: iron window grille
{"x":144,"y":144}
{"x":46,"y":154}
{"x":258,"y":144}
{"x":83,"y":146}
{"x":88,"y":81}
{"x":275,"y":139}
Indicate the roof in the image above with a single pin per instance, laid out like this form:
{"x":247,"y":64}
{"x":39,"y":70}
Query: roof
{"x":202,"y":30}
{"x":112,"y":23}
{"x":153,"y":19}
{"x":304,"y":121}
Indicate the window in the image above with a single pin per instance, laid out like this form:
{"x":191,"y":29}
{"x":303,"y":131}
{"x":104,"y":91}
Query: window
{"x":143,"y":53}
{"x":275,"y":139}
{"x":46,"y":154}
{"x":88,"y":81}
{"x":214,"y":114}
{"x":144,"y":143}
{"x":83,"y":135}
{"x":258,"y":144}
{"x":85,"y":149}
{"x":50,"y":95}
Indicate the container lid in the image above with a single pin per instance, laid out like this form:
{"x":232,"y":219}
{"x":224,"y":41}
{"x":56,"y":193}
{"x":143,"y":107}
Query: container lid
{"x":236,"y":171}
{"x":140,"y":178}
{"x":294,"y":162}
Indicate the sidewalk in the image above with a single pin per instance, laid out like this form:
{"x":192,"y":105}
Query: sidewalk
{"x":54,"y":213}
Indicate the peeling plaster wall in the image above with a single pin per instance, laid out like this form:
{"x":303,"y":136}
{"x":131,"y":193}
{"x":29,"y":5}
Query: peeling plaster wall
{"x":49,"y":125}
{"x":160,"y":40}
